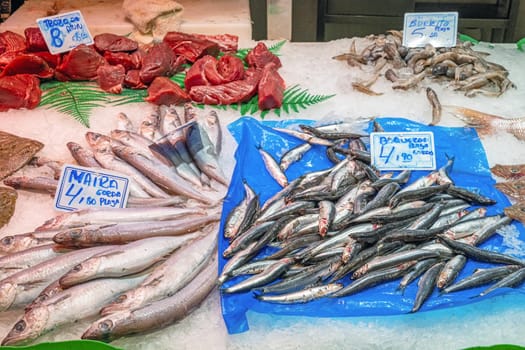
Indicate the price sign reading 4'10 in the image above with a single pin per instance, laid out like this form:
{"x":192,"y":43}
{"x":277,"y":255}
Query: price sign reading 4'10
{"x":403,"y":150}
{"x":64,"y":31}
{"x":81,"y":187}
{"x":440,"y":29}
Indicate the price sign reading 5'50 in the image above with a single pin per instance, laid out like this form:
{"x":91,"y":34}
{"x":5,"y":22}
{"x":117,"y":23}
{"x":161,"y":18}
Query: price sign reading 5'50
{"x":64,"y":31}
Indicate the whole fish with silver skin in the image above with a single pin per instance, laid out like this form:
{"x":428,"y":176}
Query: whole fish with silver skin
{"x":212,"y":125}
{"x":243,"y":214}
{"x":302,"y":296}
{"x":22,"y":287}
{"x":482,"y":277}
{"x":514,"y":279}
{"x":426,"y":285}
{"x":22,"y":241}
{"x":12,"y":263}
{"x":120,"y":233}
{"x":73,"y":304}
{"x":293,"y":155}
{"x":41,"y":184}
{"x":94,"y":216}
{"x":124,"y":123}
{"x":158,"y":314}
{"x":83,"y":156}
{"x":170,"y":276}
{"x":203,"y":153}
{"x":150,"y":125}
{"x":140,"y":185}
{"x":450,"y":271}
{"x":124,"y":260}
{"x":159,"y":173}
{"x":273,"y":168}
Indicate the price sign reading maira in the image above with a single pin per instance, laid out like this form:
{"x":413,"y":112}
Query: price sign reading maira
{"x":64,"y":32}
{"x":406,"y":150}
{"x":81,"y":187}
{"x":440,"y":29}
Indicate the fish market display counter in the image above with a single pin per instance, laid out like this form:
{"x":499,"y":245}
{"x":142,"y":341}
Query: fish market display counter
{"x":311,"y":69}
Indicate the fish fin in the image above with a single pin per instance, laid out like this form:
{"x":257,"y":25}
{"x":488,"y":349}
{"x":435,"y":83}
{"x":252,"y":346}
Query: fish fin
{"x":32,"y":284}
{"x":62,"y":297}
{"x":154,"y":281}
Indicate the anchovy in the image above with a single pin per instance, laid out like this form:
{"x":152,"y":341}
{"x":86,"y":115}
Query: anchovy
{"x":302,"y":296}
{"x":326,"y":216}
{"x":306,"y":137}
{"x":482,"y":277}
{"x":268,"y":275}
{"x":273,"y":168}
{"x":243,"y":214}
{"x":293,"y":155}
{"x":450,"y":271}
{"x":415,"y":271}
{"x":470,"y":196}
{"x":426,"y":285}
{"x":123,"y":260}
{"x":480,"y":254}
{"x":513,"y":279}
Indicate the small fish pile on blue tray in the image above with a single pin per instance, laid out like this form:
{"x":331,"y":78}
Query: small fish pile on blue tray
{"x":470,"y":171}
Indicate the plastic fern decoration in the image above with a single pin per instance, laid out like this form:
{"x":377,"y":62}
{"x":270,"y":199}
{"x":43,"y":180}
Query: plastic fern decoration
{"x":75,"y":99}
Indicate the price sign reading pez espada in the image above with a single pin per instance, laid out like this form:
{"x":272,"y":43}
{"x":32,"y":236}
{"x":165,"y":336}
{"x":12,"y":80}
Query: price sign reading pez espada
{"x":403,"y":150}
{"x":81,"y":187}
{"x":440,"y":29}
{"x":64,"y":31}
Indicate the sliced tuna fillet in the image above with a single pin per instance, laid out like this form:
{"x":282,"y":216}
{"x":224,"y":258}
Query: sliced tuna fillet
{"x":190,"y":46}
{"x":19,"y":91}
{"x":229,"y":93}
{"x":132,"y":80}
{"x":123,"y":58}
{"x":35,"y":40}
{"x":260,"y":56}
{"x":230,"y":68}
{"x":271,"y":88}
{"x":11,"y":42}
{"x":81,"y":63}
{"x":164,"y":91}
{"x":226,"y":42}
{"x":111,"y":78}
{"x":29,"y":64}
{"x":114,"y":43}
{"x":158,"y":61}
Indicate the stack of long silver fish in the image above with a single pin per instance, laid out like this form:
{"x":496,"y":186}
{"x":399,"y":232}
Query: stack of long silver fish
{"x":342,"y":230}
{"x":142,"y":267}
{"x":464,"y":68}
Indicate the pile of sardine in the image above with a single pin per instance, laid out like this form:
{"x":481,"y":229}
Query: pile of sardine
{"x":140,"y":268}
{"x":347,"y":228}
{"x":462,"y":67}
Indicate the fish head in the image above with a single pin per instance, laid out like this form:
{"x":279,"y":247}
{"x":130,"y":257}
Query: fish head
{"x":8,"y":291}
{"x":8,"y":244}
{"x":98,"y":141}
{"x":127,"y":301}
{"x":82,"y":272}
{"x":29,"y":327}
{"x":68,"y":236}
{"x":508,"y":171}
{"x":516,"y":211}
{"x":106,"y":329}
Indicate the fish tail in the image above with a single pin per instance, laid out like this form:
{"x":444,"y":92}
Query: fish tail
{"x":482,"y":122}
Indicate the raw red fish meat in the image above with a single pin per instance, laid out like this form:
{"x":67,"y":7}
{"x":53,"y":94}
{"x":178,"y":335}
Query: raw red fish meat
{"x":132,"y":80}
{"x":111,"y":78}
{"x":190,"y":46}
{"x":226,"y":42}
{"x":158,"y":61}
{"x":123,"y":58}
{"x":11,"y":42}
{"x":230,"y":68}
{"x":114,"y":43}
{"x":28,"y":64}
{"x":35,"y":40}
{"x":19,"y":91}
{"x":260,"y":56}
{"x":81,"y":63}
{"x":271,"y":88}
{"x":163,"y":91}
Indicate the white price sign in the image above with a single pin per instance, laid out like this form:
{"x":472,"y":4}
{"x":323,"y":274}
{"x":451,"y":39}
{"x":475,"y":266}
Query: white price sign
{"x":403,"y":150}
{"x":440,"y":29}
{"x":81,"y":187}
{"x":65,"y":31}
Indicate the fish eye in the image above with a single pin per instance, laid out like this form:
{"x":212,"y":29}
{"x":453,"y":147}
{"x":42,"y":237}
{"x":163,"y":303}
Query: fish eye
{"x":514,"y":170}
{"x":77,"y":267}
{"x":121,"y":298}
{"x":20,"y":326}
{"x":7,"y":240}
{"x":105,"y":325}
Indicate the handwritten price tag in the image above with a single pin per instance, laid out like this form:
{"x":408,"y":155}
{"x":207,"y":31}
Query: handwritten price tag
{"x":437,"y":28}
{"x":405,"y":150}
{"x":65,"y":31}
{"x":81,"y":187}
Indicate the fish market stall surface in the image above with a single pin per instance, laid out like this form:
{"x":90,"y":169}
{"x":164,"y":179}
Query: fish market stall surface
{"x":484,"y":322}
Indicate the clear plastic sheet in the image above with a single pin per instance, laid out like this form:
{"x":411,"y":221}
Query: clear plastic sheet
{"x":470,"y":170}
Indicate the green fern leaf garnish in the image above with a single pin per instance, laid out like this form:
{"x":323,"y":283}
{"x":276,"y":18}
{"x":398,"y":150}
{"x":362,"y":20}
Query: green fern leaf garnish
{"x":275,"y":48}
{"x":76,"y":99}
{"x":128,"y":96}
